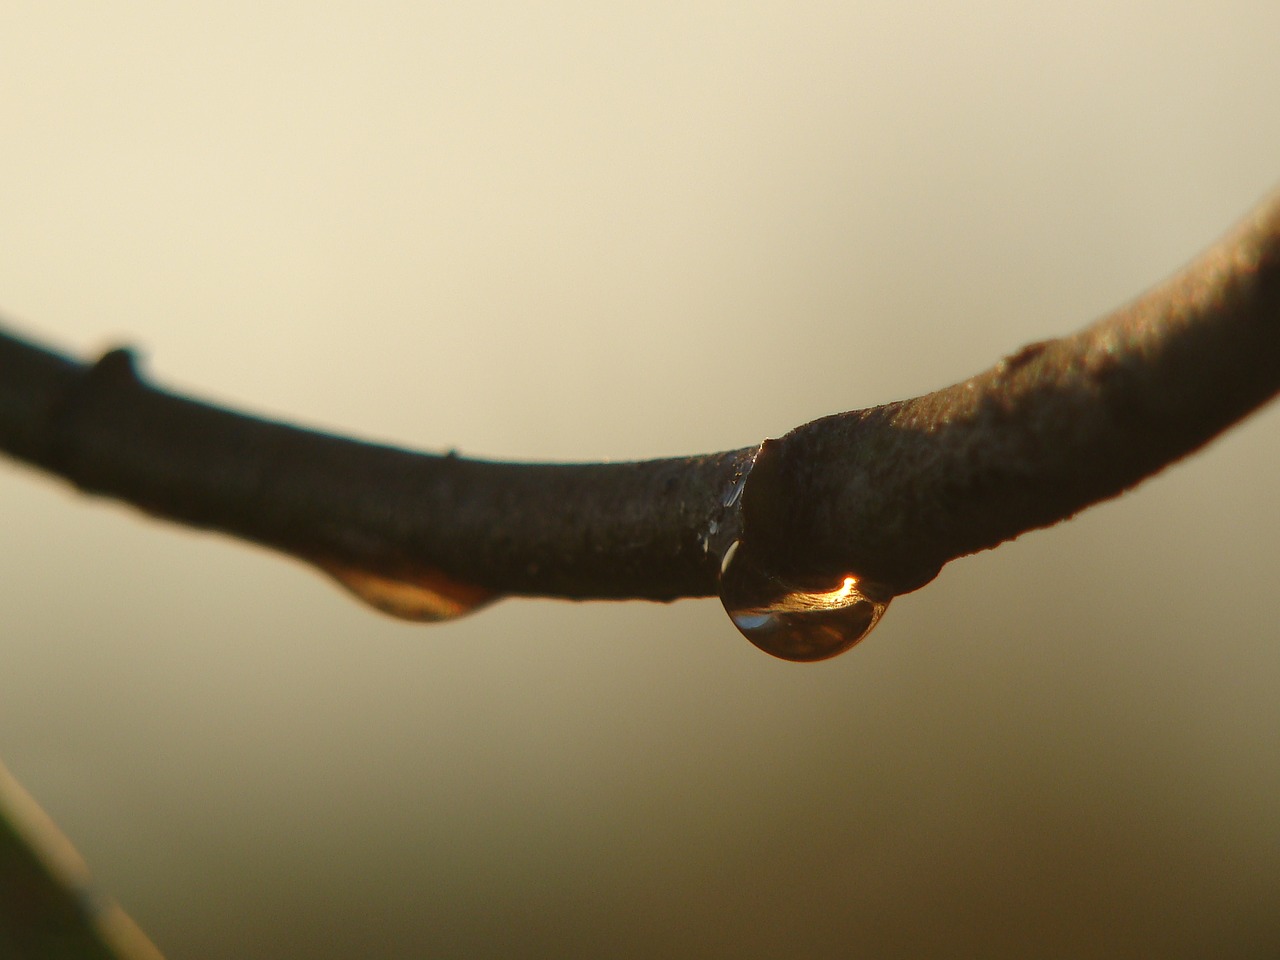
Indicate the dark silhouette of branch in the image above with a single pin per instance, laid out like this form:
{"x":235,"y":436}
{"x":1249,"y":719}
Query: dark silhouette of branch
{"x":892,"y":492}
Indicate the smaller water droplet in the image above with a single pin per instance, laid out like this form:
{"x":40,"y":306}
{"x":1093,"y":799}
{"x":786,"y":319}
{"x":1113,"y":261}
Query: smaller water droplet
{"x":426,"y":596}
{"x":735,"y":491}
{"x":804,"y":622}
{"x":725,"y":523}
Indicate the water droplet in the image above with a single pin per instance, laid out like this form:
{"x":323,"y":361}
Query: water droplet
{"x":424,"y":596}
{"x":723,"y":526}
{"x":739,"y":484}
{"x":794,"y":621}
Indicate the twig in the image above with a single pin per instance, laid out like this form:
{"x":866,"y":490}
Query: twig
{"x":893,"y":492}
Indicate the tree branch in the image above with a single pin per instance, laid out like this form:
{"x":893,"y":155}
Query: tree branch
{"x":892,"y":492}
{"x":896,"y":491}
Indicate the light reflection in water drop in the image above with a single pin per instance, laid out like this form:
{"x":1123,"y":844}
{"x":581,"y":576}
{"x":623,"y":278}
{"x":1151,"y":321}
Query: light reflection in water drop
{"x":792,"y":621}
{"x":427,"y":597}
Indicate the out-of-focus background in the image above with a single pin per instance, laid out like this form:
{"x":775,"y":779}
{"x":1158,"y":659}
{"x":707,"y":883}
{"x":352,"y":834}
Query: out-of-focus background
{"x":583,"y":231}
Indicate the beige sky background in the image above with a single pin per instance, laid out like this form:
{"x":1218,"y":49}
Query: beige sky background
{"x":582,"y":231}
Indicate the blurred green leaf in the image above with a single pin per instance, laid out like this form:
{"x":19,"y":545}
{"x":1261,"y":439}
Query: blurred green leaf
{"x":49,"y":909}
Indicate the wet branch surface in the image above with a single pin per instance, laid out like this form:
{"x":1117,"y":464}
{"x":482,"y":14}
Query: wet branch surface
{"x":891,"y":493}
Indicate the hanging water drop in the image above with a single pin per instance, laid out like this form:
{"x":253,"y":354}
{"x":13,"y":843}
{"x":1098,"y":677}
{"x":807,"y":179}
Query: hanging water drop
{"x":795,"y":621}
{"x":428,"y":596}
